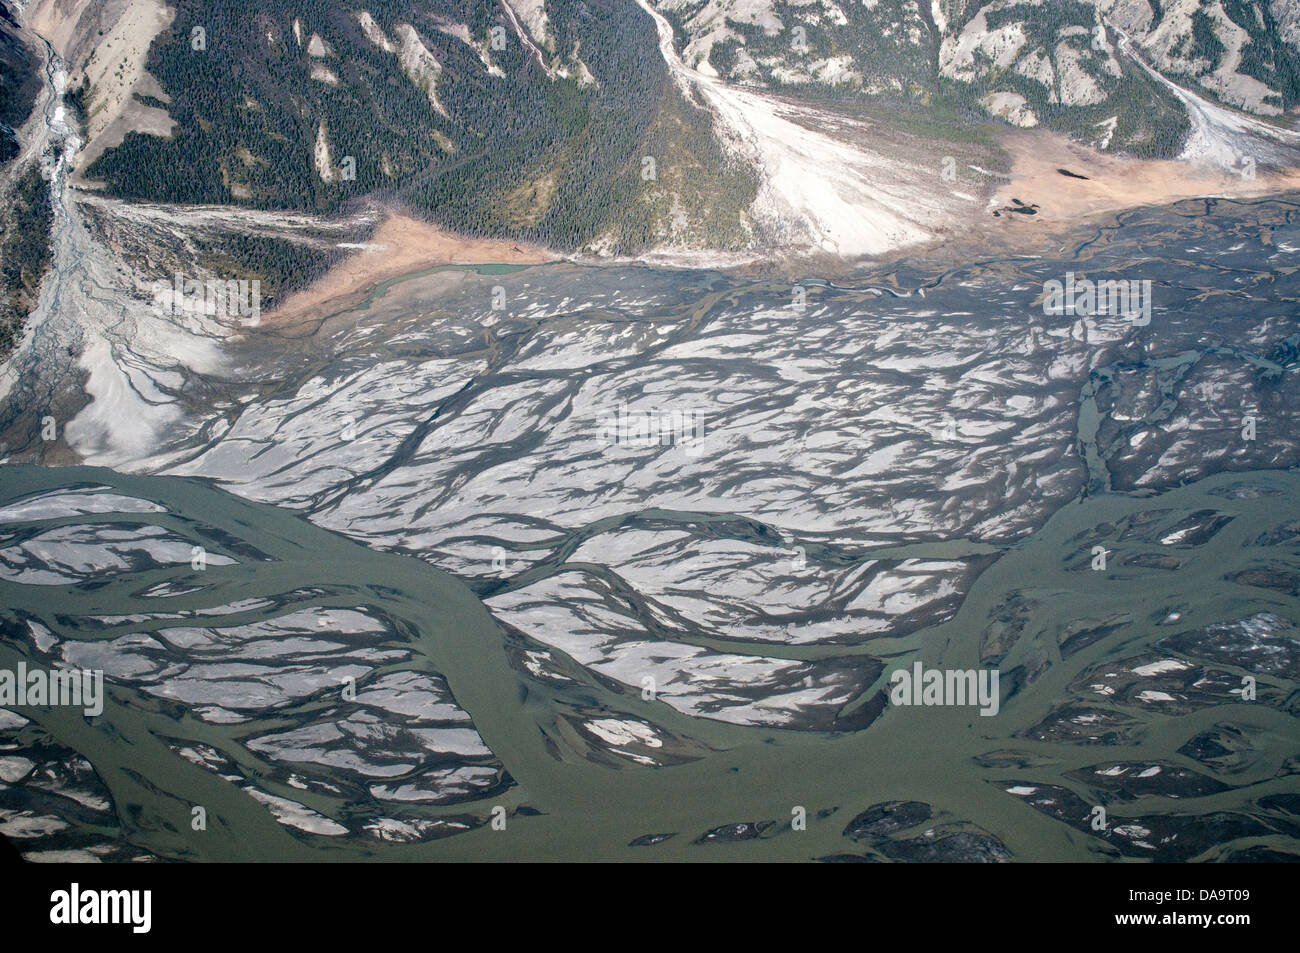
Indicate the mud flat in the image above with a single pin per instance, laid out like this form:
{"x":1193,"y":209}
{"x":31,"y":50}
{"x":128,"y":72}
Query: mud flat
{"x":1094,"y":182}
{"x":399,"y":246}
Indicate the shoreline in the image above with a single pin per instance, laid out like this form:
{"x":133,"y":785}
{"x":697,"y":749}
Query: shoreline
{"x":400,"y":246}
{"x":1068,"y":185}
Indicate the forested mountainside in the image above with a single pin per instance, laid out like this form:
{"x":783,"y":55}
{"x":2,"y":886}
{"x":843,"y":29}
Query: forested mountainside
{"x":617,"y":126}
{"x":544,"y":120}
{"x":25,"y":213}
{"x":491,"y":120}
{"x":1055,"y":62}
{"x":19,"y":83}
{"x":24,"y":252}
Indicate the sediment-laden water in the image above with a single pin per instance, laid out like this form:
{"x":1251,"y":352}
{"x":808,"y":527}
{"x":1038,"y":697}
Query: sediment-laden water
{"x":430,"y":583}
{"x":955,"y":762}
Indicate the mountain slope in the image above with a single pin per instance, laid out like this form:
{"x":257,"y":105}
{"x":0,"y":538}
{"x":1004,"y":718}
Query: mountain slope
{"x":679,"y":127}
{"x":531,"y":121}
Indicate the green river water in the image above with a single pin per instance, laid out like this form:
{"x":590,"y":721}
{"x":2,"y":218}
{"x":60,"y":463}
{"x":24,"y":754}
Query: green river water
{"x":588,"y":811}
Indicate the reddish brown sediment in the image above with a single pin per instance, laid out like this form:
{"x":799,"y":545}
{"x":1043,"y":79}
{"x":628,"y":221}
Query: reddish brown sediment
{"x":399,"y":246}
{"x":1100,"y":185}
{"x":1113,"y":183}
